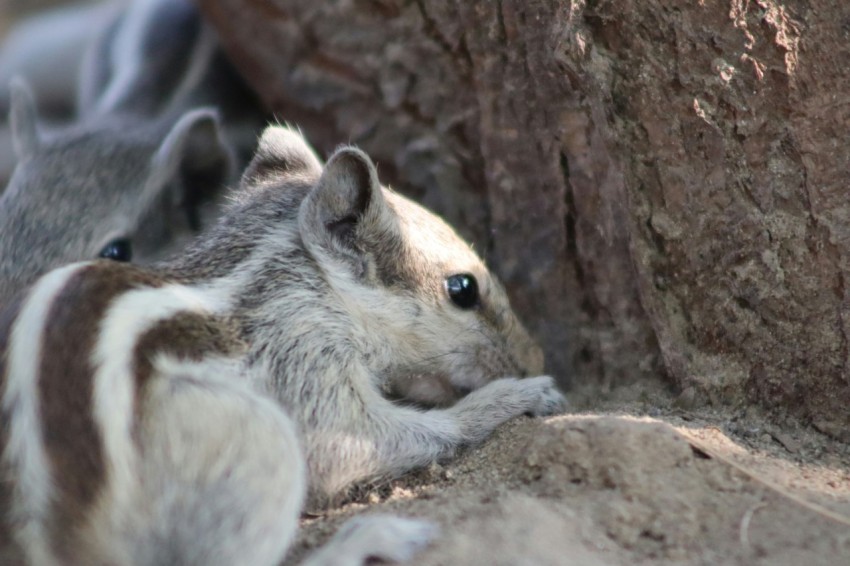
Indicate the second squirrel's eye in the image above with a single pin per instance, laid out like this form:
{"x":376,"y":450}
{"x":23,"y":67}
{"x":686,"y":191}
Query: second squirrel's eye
{"x":463,"y":290}
{"x":118,"y":249}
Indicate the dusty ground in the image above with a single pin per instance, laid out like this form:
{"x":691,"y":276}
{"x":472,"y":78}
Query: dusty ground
{"x":635,"y":478}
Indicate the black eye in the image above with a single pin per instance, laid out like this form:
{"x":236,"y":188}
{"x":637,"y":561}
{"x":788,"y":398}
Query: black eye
{"x":118,"y":249}
{"x":463,"y":290}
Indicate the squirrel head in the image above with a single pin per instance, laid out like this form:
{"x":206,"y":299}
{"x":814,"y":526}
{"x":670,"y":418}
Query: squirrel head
{"x":103,"y":188}
{"x":432,"y":320}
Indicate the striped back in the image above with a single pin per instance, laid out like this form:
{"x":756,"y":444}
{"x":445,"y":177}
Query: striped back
{"x":77,"y":352}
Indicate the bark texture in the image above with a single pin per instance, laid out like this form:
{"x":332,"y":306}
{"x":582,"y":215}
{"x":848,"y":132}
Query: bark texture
{"x":658,"y":183}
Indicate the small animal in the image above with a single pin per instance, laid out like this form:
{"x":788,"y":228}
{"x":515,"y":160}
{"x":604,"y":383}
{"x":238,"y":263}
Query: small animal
{"x":142,"y":169}
{"x":181,"y":413}
{"x":47,"y":49}
{"x":119,"y":187}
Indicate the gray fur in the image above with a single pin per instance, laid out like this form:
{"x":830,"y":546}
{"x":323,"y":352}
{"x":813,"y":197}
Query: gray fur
{"x":47,"y":50}
{"x":295,"y":405}
{"x":138,"y":60}
{"x":76,"y":189}
{"x":23,"y":120}
{"x":159,"y":58}
{"x":329,"y":338}
{"x":142,"y":162}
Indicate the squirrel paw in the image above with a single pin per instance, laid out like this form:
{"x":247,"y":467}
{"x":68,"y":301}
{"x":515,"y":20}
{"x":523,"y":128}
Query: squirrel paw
{"x":386,"y":538}
{"x":548,"y":399}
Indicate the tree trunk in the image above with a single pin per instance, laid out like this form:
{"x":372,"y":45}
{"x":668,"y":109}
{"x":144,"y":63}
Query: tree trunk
{"x":658,"y":183}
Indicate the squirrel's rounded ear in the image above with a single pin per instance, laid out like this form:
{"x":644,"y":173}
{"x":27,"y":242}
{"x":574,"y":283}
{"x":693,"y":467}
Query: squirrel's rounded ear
{"x":194,"y":153}
{"x":282,"y":152}
{"x":23,"y":118}
{"x":347,"y":200}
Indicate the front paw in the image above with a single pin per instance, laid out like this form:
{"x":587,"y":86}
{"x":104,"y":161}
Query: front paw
{"x":387,"y":538}
{"x":547,"y":399}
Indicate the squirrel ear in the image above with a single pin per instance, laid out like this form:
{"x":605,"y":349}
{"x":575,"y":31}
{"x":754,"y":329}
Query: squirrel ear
{"x":346,"y":203}
{"x":281,"y":152}
{"x":194,"y":154}
{"x":23,"y":118}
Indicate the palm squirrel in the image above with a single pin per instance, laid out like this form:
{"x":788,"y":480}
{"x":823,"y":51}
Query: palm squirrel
{"x":187,"y":412}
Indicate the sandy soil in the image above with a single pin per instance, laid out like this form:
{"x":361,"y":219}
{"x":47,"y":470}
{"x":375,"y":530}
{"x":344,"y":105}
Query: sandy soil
{"x":635,"y":477}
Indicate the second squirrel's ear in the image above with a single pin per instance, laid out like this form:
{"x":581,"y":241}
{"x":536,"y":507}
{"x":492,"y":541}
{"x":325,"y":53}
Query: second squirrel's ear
{"x":346,"y":209}
{"x":23,"y":118}
{"x":195,"y":155}
{"x":282,"y":152}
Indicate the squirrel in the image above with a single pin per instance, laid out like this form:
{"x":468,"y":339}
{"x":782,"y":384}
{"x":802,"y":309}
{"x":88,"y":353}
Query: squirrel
{"x":162,"y":127}
{"x":104,"y":187}
{"x":186,"y":412}
{"x":48,"y":48}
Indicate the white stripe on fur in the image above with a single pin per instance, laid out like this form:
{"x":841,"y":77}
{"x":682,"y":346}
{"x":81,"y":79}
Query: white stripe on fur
{"x":130,"y":316}
{"x":25,"y":451}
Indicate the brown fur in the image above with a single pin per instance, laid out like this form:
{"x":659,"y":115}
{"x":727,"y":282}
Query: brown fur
{"x":186,"y":336}
{"x":9,"y":554}
{"x":71,"y":437}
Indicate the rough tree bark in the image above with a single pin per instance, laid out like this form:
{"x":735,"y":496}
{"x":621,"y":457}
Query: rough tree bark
{"x":659,"y":183}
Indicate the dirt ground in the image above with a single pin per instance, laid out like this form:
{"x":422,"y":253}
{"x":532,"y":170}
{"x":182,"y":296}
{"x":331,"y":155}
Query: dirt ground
{"x":634,"y":478}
